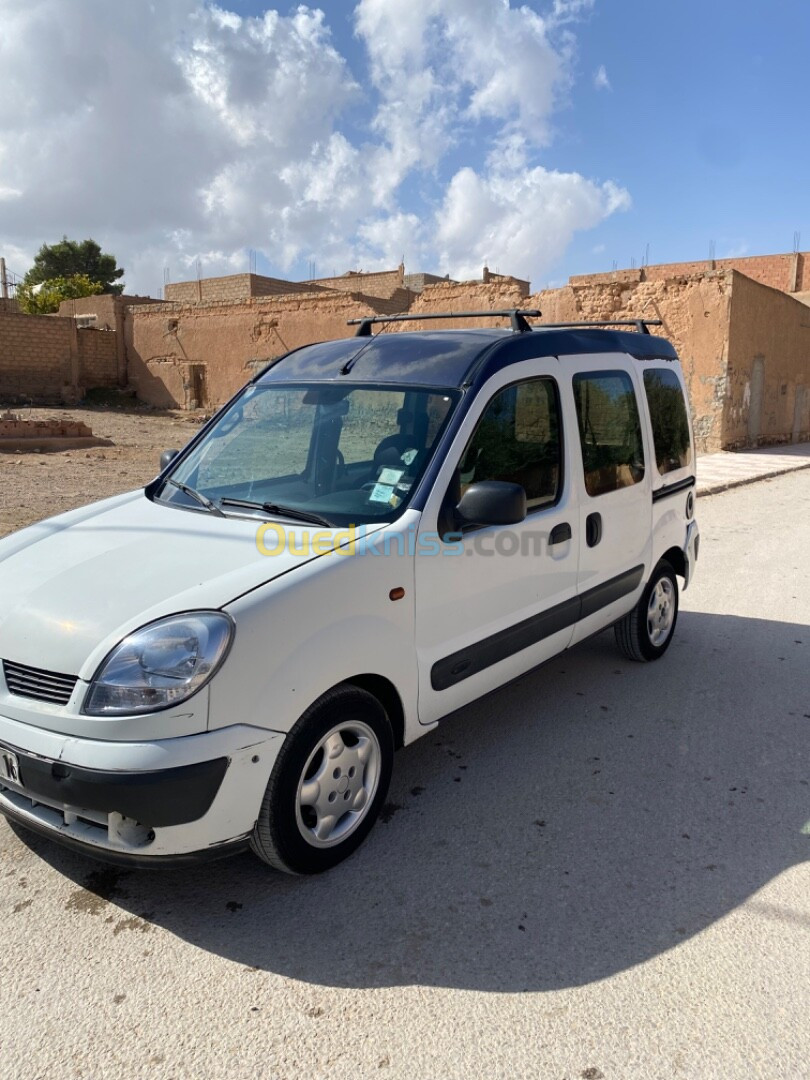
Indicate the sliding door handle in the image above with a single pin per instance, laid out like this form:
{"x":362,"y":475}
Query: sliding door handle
{"x":559,"y":533}
{"x":593,"y":529}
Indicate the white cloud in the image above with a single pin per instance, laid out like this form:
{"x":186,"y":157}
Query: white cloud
{"x":565,"y":11}
{"x":441,"y":66}
{"x":521,"y":221}
{"x":733,"y":249}
{"x":600,"y":78}
{"x":162,"y":130}
{"x":181,"y":131}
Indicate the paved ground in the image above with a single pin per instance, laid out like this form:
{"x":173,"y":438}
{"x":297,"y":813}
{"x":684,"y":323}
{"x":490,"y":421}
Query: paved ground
{"x":599,"y":872}
{"x":718,"y":472}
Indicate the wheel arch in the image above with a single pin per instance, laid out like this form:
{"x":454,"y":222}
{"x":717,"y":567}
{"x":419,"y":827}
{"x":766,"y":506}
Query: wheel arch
{"x":388,"y":696}
{"x":675,"y":558}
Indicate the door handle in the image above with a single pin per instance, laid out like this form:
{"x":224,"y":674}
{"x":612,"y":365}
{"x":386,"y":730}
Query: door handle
{"x":559,"y":533}
{"x":593,"y":529}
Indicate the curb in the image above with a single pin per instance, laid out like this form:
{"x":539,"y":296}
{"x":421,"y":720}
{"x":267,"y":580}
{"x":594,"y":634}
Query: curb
{"x":716,"y":487}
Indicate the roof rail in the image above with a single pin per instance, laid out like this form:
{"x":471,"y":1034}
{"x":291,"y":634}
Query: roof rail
{"x":640,"y":324}
{"x":516,"y":315}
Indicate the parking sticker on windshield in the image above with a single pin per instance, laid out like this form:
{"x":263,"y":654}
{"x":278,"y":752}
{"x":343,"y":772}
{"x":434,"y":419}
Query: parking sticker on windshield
{"x":381,"y":493}
{"x":389,"y":476}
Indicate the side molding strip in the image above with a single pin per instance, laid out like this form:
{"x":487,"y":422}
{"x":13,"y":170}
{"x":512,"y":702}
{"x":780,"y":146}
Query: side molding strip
{"x":610,"y":591}
{"x":491,"y":650}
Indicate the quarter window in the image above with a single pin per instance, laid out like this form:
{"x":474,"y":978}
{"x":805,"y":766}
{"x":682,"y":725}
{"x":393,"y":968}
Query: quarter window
{"x":609,"y":430}
{"x":518,"y":440}
{"x":670,"y":425}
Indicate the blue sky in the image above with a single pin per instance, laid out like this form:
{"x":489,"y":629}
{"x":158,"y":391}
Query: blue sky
{"x":544,"y":139}
{"x":705,"y":125}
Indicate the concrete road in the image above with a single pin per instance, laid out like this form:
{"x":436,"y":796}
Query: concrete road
{"x":599,"y":872}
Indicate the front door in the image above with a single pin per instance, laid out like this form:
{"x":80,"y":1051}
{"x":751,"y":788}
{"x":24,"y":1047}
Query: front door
{"x":494,"y":602}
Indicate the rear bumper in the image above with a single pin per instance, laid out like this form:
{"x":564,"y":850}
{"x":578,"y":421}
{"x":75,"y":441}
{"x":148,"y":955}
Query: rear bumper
{"x":141,"y":803}
{"x":690,"y":551}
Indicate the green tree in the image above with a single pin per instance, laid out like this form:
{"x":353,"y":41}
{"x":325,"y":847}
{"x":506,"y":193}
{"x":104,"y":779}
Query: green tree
{"x":50,"y":294}
{"x":70,"y":258}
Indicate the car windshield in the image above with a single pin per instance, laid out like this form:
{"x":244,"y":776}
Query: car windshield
{"x":341,"y":454}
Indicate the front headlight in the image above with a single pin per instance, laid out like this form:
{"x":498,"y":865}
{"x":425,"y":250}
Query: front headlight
{"x":161,"y":664}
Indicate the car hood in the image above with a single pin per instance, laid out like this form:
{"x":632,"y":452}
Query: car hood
{"x":72,"y":586}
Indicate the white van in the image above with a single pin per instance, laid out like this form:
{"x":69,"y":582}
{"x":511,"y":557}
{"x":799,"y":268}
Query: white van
{"x":373,"y":533}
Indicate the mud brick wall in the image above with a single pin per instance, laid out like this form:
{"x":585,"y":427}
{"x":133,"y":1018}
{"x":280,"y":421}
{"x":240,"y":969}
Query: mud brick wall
{"x":417,"y":282}
{"x":38,"y":429}
{"x":695,"y":313}
{"x":739,"y":341}
{"x":98,"y":358}
{"x":788,"y":272}
{"x":768,"y":392}
{"x":109,"y":312}
{"x":46,"y":360}
{"x":384,"y":284}
{"x":187,"y":356}
{"x":38,"y":359}
{"x":448,"y":296}
{"x":233,"y":287}
{"x":695,"y":316}
{"x":107,"y":308}
{"x":744,"y":346}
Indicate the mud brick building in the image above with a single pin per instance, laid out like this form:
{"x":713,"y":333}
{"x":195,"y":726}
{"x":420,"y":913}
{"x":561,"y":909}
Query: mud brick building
{"x":741,"y":327}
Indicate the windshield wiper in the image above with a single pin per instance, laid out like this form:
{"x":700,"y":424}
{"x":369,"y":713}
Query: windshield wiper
{"x":203,"y":500}
{"x":282,"y":511}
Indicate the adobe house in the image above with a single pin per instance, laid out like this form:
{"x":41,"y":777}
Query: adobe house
{"x":741,"y":327}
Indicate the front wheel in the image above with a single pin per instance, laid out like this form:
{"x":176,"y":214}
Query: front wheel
{"x":328,"y":784}
{"x":646,"y":631}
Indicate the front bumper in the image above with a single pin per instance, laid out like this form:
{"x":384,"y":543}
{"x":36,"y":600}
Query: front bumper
{"x":163,"y":797}
{"x":139,"y":802}
{"x":125,"y":858}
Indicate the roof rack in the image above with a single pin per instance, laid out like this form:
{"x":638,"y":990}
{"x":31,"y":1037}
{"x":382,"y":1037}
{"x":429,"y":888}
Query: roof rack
{"x":640,"y":324}
{"x":516,"y":315}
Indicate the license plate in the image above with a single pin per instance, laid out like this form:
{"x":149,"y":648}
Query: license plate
{"x":9,"y":767}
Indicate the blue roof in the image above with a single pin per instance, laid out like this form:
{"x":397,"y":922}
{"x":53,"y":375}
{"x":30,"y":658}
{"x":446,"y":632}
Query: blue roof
{"x":450,"y":358}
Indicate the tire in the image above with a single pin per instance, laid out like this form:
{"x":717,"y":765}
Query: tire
{"x":328,"y":784}
{"x":645,"y":632}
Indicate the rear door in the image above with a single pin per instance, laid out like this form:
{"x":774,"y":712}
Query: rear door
{"x":613,"y":475}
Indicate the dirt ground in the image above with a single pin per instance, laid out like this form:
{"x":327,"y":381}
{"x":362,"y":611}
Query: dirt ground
{"x":38,"y":485}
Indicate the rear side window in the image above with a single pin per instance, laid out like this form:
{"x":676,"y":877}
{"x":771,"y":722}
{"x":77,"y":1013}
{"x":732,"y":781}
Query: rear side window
{"x":518,"y":440}
{"x":670,"y":425}
{"x":609,"y":430}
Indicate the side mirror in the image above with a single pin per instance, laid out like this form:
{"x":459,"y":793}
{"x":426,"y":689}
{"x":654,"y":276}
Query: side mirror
{"x":167,"y":457}
{"x":492,"y":502}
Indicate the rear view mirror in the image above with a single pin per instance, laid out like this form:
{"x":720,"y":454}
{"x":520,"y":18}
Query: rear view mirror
{"x":492,"y":502}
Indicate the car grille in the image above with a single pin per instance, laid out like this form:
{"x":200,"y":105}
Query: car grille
{"x":42,"y":685}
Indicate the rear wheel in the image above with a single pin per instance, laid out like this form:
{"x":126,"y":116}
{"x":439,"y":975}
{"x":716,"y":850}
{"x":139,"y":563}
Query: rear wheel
{"x":645,"y":632}
{"x":328,"y":784}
